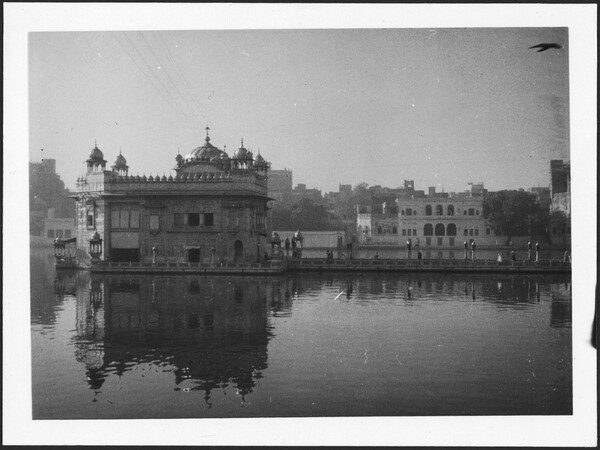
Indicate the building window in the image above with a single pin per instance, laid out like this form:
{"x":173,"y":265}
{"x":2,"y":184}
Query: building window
{"x":154,"y":222}
{"x":471,"y":211}
{"x":428,"y":241}
{"x":476,"y":231}
{"x":394,"y":230}
{"x":451,"y":229}
{"x":90,"y":220}
{"x":477,"y":212}
{"x":451,"y":242}
{"x":208,"y":219}
{"x":428,"y":230}
{"x":428,"y":210}
{"x":178,"y":219}
{"x":450,"y":210}
{"x":487,"y":231}
{"x":194,"y":219}
{"x":471,"y":232}
{"x":439,"y":210}
{"x":134,"y":219}
{"x":466,"y":232}
{"x":439,"y":229}
{"x":409,"y":232}
{"x":440,"y":241}
{"x":378,"y":230}
{"x":403,"y":231}
{"x":409,"y":212}
{"x":124,"y":219}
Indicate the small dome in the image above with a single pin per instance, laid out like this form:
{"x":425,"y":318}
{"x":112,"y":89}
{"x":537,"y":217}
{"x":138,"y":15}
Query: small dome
{"x":120,"y":161}
{"x":242,"y":153}
{"x":96,"y":153}
{"x":260,"y":161}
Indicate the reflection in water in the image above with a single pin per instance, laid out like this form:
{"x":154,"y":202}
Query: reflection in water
{"x":347,"y":343}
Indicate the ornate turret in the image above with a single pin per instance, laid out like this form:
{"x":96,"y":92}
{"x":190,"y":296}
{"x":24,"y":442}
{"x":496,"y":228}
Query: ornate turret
{"x":96,"y":161}
{"x":260,"y":164}
{"x":120,"y":166}
{"x":242,"y":158}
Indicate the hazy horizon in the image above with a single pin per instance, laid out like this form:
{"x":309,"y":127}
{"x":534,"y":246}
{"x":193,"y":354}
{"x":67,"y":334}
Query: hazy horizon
{"x":442,"y":107}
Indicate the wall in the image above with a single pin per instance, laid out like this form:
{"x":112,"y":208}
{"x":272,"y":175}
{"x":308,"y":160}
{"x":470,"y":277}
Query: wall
{"x":315,"y":239}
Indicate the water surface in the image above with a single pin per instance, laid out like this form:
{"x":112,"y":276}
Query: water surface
{"x":298,"y":345}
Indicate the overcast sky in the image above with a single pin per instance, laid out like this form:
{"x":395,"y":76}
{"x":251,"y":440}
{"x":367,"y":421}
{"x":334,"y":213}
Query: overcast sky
{"x":443,"y":107}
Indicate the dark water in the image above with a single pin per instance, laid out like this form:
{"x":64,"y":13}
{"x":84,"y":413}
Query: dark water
{"x":298,"y":345}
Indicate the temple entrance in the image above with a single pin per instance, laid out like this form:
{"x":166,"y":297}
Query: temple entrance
{"x":194,"y":255}
{"x":238,"y":251}
{"x":125,"y":254}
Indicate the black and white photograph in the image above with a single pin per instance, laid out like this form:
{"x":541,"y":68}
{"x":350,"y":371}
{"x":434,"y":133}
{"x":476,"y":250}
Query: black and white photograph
{"x":310,"y":224}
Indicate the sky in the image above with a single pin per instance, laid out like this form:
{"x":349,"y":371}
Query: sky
{"x":440,"y":106}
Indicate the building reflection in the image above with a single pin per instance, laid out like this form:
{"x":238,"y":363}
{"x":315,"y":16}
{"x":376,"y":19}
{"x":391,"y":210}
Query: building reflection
{"x":210,"y":332}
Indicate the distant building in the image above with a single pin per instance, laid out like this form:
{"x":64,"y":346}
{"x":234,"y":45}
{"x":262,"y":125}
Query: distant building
{"x":301,"y":192}
{"x":47,"y":193}
{"x":60,"y":227}
{"x":560,"y":177}
{"x":560,"y":208}
{"x":280,"y":186}
{"x":440,"y":220}
{"x":213,"y":209}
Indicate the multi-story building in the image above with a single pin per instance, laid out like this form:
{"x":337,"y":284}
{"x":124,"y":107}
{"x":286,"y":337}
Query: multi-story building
{"x":560,"y":207}
{"x":437,"y":220}
{"x":280,"y":186}
{"x":213,"y":209}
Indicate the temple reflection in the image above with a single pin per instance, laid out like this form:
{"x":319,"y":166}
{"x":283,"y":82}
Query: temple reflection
{"x":212,"y":332}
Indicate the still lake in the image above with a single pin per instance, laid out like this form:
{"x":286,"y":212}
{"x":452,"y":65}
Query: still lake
{"x":298,"y":345}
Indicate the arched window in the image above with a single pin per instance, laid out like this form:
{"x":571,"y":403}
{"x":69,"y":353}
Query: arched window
{"x":428,"y":230}
{"x":450,"y":210}
{"x":439,"y":229}
{"x":394,"y":230}
{"x":451,"y":229}
{"x":378,"y":230}
{"x":439,"y":210}
{"x":428,"y":210}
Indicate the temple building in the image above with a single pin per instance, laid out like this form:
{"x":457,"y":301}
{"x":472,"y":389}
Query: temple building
{"x":213,"y":209}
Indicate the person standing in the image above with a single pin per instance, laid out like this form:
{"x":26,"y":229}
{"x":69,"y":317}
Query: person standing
{"x":537,"y":251}
{"x":529,"y":250}
{"x":408,"y":247}
{"x":287,"y":246}
{"x":466,"y":251}
{"x":473,"y":251}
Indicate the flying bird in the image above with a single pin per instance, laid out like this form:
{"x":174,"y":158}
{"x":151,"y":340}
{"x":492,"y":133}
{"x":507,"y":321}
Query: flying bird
{"x":544,"y":47}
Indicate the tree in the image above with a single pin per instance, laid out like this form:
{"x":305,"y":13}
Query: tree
{"x":512,"y":213}
{"x":305,"y":215}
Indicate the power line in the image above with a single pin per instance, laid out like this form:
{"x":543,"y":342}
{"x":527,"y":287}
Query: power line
{"x":159,"y":80}
{"x":179,"y":72}
{"x":167,"y":73}
{"x":150,"y":80}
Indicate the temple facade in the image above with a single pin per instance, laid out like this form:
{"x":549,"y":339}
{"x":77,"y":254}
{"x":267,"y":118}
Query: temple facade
{"x":213,"y":209}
